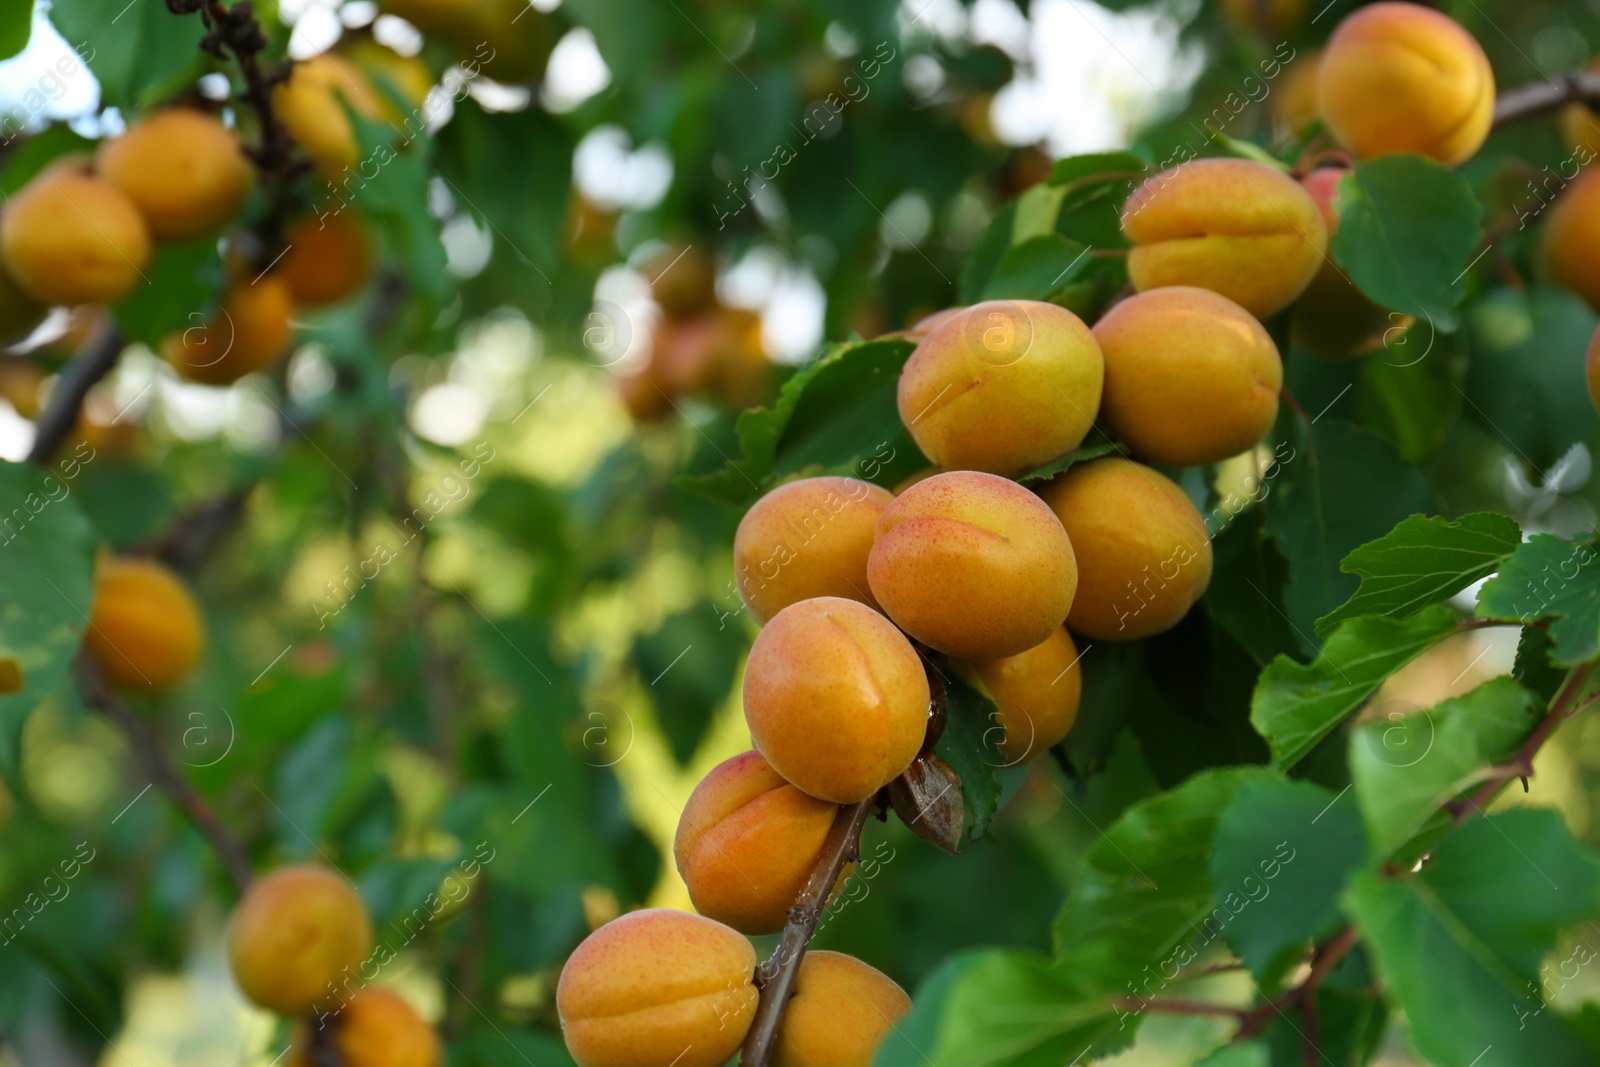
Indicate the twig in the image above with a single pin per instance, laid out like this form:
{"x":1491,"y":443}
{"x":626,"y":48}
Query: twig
{"x":92,"y":363}
{"x":147,"y":748}
{"x":1557,"y":91}
{"x":1326,"y":958}
{"x":776,"y":977}
{"x":191,"y":539}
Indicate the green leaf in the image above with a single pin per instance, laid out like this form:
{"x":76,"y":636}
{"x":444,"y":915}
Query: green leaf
{"x":968,"y":745}
{"x":1253,"y":1054}
{"x":1423,"y":561}
{"x":1280,"y":902}
{"x":1342,"y":487}
{"x":133,"y":49}
{"x":1551,"y":578}
{"x":986,"y":254}
{"x":1407,"y":228}
{"x":688,"y":667}
{"x":179,"y":291}
{"x":838,"y":412}
{"x":1144,"y":887}
{"x":1296,"y":705}
{"x":1407,"y":765}
{"x":1459,"y":944}
{"x":44,"y":601}
{"x":394,"y":196}
{"x":1128,"y":166}
{"x":16,"y":26}
{"x":997,"y":1008}
{"x":1064,"y":463}
{"x":1412,"y":401}
{"x":1245,"y":596}
{"x":1524,"y":382}
{"x":1035,"y":268}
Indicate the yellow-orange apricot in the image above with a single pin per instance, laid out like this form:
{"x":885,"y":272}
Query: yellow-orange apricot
{"x":928,"y":323}
{"x":973,"y":565}
{"x":145,"y":628}
{"x":1572,"y":238}
{"x":1332,"y":317}
{"x":805,"y":539}
{"x":1144,"y":554}
{"x":249,"y":331}
{"x":1580,"y":126}
{"x":747,"y":842}
{"x":312,"y":105}
{"x":683,"y":280}
{"x":1191,"y":377}
{"x":404,"y":76}
{"x":329,"y":259}
{"x":1400,"y":77}
{"x":683,"y":354}
{"x":295,"y":934}
{"x":1037,"y":694}
{"x":1239,"y":228}
{"x":1293,"y":102}
{"x":912,"y":479}
{"x":69,"y":238}
{"x":657,"y":987}
{"x":1002,"y":386}
{"x":836,"y":698}
{"x":373,"y":1028}
{"x":742,"y":367}
{"x":641,"y":395}
{"x":182,"y":168}
{"x":841,"y":1011}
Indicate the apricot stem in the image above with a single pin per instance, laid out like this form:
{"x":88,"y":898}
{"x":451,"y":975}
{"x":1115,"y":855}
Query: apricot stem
{"x":92,"y":363}
{"x":148,"y":750}
{"x":1530,"y":101}
{"x":776,"y":977}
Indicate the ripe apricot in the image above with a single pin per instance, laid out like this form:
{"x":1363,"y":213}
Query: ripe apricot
{"x":312,"y":105}
{"x":1333,"y":317}
{"x":373,"y":1028}
{"x":805,"y":539}
{"x":973,"y":565}
{"x":836,"y":698}
{"x":747,"y":842}
{"x":389,"y":72}
{"x":657,"y":987}
{"x":928,"y":323}
{"x":1037,"y":694}
{"x":1580,"y":126}
{"x":294,"y":934}
{"x":1002,"y":386}
{"x":1191,"y":377}
{"x":1572,"y":236}
{"x":145,"y":628}
{"x":329,"y":259}
{"x":1236,"y":227}
{"x":1399,"y":77}
{"x":841,"y":1011}
{"x":249,"y":331}
{"x":182,"y":168}
{"x":641,"y":395}
{"x":69,"y":238}
{"x":1144,"y":553}
{"x":683,"y":280}
{"x":1293,"y":102}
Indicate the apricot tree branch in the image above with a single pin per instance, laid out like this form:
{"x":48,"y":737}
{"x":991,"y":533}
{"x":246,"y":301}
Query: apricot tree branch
{"x":147,"y":748}
{"x":92,"y":363}
{"x":1557,"y":91}
{"x":776,"y":977}
{"x":1327,"y":956}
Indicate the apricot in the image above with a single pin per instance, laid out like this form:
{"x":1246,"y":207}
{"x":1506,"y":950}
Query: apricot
{"x":683,"y":280}
{"x":1036,"y":693}
{"x":249,"y":331}
{"x":508,"y":40}
{"x":294,"y":934}
{"x":329,"y":259}
{"x":1191,"y":377}
{"x":312,"y":102}
{"x":805,"y":539}
{"x":21,"y":381}
{"x":1399,"y":77}
{"x":973,"y":565}
{"x":928,"y":323}
{"x":642,"y":397}
{"x":145,"y":628}
{"x":182,"y":168}
{"x":655,"y":988}
{"x":1143,"y":550}
{"x":69,"y":238}
{"x":1239,"y":228}
{"x":1580,"y":125}
{"x":1002,"y":386}
{"x":1572,"y":236}
{"x":406,"y":77}
{"x":373,"y":1028}
{"x":1293,"y":102}
{"x":841,"y":1011}
{"x":683,"y":354}
{"x":836,"y":698}
{"x":747,"y":842}
{"x":1333,"y":317}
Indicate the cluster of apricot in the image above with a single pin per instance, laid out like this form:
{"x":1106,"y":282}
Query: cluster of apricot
{"x":300,"y":944}
{"x":700,"y":346}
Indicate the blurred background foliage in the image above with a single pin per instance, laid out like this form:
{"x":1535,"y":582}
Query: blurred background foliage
{"x":469,"y":607}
